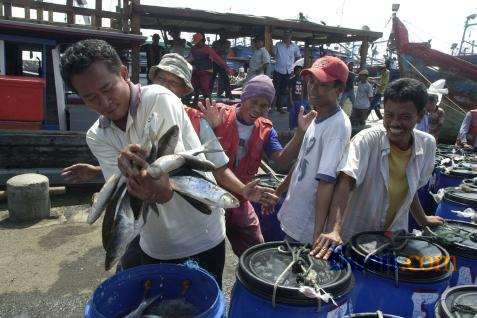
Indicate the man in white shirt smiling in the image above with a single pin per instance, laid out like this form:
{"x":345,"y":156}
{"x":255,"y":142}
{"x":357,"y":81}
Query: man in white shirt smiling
{"x":178,"y":231}
{"x":383,"y":170}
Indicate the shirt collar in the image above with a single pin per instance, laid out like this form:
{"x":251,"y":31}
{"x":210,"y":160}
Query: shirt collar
{"x":134,"y":102}
{"x":333,"y":112}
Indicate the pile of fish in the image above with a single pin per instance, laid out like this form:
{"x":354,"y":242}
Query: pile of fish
{"x":126,"y":215}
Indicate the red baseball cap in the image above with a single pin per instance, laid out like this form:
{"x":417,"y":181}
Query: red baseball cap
{"x":328,"y":69}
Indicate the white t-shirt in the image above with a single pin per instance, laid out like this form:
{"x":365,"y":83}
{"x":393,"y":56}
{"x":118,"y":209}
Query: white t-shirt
{"x":244,"y":132}
{"x":364,"y":92}
{"x":324,"y":145}
{"x":179,"y":230}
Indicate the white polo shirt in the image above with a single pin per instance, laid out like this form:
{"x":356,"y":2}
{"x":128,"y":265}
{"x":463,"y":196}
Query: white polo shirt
{"x":179,"y":230}
{"x":324,"y":145}
{"x":367,"y":163}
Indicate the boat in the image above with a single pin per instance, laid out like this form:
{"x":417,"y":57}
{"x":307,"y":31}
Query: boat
{"x":418,"y":60}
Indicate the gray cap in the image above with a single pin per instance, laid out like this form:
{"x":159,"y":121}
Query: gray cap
{"x":177,"y":65}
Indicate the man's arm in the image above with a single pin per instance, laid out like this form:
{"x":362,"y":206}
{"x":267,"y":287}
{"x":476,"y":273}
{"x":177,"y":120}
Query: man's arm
{"x":285,"y":157}
{"x":421,"y":218}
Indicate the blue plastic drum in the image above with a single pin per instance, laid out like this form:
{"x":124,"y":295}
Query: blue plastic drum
{"x":460,"y":301}
{"x":460,"y":240}
{"x":456,"y":200}
{"x":377,"y":314}
{"x":269,"y":224}
{"x":289,"y":267}
{"x":397,"y":274}
{"x":123,"y":292}
{"x":452,"y":178}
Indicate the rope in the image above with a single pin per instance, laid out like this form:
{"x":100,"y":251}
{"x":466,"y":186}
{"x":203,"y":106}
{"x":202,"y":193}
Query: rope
{"x":458,"y":108}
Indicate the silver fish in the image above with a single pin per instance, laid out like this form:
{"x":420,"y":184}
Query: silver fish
{"x":204,"y":191}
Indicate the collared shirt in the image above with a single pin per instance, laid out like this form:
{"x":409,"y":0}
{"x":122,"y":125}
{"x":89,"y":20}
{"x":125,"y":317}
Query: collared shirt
{"x":363,"y":95}
{"x":285,"y":56}
{"x":258,"y":59}
{"x":465,"y":128}
{"x":367,"y":163}
{"x":179,"y":230}
{"x":324,"y":145}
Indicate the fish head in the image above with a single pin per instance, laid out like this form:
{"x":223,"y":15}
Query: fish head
{"x":229,"y":201}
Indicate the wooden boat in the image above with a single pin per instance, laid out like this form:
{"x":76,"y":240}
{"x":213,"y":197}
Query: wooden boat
{"x":418,"y":60}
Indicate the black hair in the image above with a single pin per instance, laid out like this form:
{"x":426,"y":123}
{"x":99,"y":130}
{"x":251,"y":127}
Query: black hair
{"x":432,"y":98}
{"x":407,"y":90}
{"x":78,"y":57}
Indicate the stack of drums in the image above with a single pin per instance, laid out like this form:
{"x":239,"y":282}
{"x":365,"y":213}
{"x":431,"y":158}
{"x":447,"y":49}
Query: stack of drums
{"x":269,"y":224}
{"x":459,"y":302}
{"x":455,"y":201}
{"x":399,"y":275}
{"x":445,"y":178}
{"x":271,"y":280}
{"x":460,"y":240}
{"x":181,"y":291}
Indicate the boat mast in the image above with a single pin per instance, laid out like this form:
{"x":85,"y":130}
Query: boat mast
{"x":467,"y":24}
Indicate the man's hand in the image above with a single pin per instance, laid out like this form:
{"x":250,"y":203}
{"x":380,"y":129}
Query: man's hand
{"x":131,"y":160}
{"x":212,"y":114}
{"x":263,"y":195}
{"x":80,"y":173}
{"x":433,"y":220}
{"x":144,"y":187}
{"x":305,"y":120}
{"x":325,"y":243}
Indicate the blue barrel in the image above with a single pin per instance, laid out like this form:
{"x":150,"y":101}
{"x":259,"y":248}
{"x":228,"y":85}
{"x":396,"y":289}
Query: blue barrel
{"x":123,"y":292}
{"x":456,"y":200}
{"x":397,"y":274}
{"x":377,"y":314}
{"x":460,"y":240}
{"x":260,"y":268}
{"x":460,"y":301}
{"x":269,"y":224}
{"x":452,"y":178}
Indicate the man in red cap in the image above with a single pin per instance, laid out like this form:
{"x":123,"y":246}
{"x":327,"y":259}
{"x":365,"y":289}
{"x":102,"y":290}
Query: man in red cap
{"x":201,"y":59}
{"x":325,"y":143}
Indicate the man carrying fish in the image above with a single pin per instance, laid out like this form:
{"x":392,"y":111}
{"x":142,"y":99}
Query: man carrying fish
{"x":385,"y":165}
{"x":176,"y":229}
{"x":245,"y":134}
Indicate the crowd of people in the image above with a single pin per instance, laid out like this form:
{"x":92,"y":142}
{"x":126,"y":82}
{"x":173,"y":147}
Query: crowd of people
{"x":336,"y":187}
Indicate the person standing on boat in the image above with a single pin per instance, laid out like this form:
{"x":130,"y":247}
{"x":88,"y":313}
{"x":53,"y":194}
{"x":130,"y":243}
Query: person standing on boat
{"x":467,"y":137}
{"x":311,"y":182}
{"x":286,"y":53}
{"x":179,"y":231}
{"x":382,"y":84}
{"x":259,"y":61}
{"x":201,"y":58}
{"x":349,"y":88}
{"x":385,"y":166}
{"x":362,"y":103}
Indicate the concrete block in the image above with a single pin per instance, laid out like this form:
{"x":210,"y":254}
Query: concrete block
{"x":28,"y":197}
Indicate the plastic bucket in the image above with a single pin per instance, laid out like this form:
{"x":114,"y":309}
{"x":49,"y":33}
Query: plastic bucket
{"x":453,"y":178}
{"x":123,"y":292}
{"x":460,"y":301}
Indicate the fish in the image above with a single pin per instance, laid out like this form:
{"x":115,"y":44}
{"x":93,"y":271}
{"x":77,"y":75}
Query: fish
{"x":138,"y":312}
{"x":126,"y":215}
{"x":203,"y":190}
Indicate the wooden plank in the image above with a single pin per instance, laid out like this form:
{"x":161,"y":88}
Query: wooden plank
{"x":363,"y":53}
{"x":27,"y":12}
{"x":8,"y":9}
{"x":45,"y":138}
{"x":268,"y":41}
{"x":70,"y":13}
{"x":39,"y":14}
{"x":126,"y":11}
{"x":50,"y":16}
{"x":97,"y":17}
{"x":60,"y":89}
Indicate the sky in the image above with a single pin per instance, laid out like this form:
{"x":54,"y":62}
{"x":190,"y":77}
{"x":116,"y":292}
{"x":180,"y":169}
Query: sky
{"x":439,"y":20}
